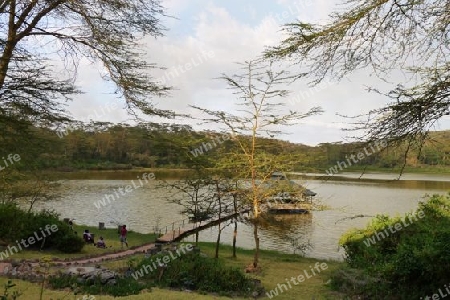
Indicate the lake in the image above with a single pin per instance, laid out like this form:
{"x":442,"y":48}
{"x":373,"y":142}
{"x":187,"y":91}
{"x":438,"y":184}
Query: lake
{"x":147,"y":207}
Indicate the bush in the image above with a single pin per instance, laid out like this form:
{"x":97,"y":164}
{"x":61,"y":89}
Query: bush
{"x":410,"y":262}
{"x":70,"y":244}
{"x":17,"y":224}
{"x":195,"y":272}
{"x":123,"y":286}
{"x":10,"y":219}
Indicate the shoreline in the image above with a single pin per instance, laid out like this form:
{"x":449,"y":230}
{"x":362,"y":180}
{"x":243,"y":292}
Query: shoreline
{"x":170,"y":173}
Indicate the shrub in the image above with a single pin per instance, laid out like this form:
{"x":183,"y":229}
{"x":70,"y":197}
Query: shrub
{"x":195,"y":272}
{"x":410,"y":262}
{"x":123,"y":286}
{"x":70,"y":244}
{"x":17,"y":224}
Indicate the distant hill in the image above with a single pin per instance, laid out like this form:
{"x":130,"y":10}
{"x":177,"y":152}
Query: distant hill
{"x":101,"y":145}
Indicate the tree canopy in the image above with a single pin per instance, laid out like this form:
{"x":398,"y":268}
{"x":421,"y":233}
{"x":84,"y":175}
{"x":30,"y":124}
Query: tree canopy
{"x":40,"y":38}
{"x":387,"y":35}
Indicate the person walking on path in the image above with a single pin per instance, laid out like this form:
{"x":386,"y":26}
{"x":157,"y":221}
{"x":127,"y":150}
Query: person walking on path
{"x":123,"y":236}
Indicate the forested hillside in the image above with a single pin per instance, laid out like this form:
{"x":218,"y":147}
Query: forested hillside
{"x":121,"y":146}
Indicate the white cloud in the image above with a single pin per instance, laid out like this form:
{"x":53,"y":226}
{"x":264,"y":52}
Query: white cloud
{"x":208,"y":39}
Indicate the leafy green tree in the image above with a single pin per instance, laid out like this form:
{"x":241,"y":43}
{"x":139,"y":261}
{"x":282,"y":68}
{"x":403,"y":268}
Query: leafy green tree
{"x":407,"y":35}
{"x":35,"y":33}
{"x":41,"y":46}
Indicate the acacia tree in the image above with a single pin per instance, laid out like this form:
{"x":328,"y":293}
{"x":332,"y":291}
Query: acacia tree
{"x":412,"y":36}
{"x":260,"y":114}
{"x":35,"y":34}
{"x":42,"y":43}
{"x":196,"y":197}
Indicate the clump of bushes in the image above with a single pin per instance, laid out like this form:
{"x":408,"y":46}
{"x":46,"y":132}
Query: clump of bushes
{"x":17,"y":224}
{"x":410,"y":262}
{"x":199,"y":273}
{"x":190,"y":271}
{"x":123,"y":287}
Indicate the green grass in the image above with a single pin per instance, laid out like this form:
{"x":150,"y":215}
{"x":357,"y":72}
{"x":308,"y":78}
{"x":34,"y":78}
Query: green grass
{"x":110,"y":236}
{"x":31,"y":292}
{"x":276,"y":268}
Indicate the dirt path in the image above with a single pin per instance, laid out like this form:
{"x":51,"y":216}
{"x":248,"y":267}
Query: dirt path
{"x":5,"y":267}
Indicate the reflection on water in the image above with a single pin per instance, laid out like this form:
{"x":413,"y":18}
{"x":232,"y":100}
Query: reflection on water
{"x":141,"y":208}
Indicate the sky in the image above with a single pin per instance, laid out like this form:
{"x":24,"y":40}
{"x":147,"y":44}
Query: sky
{"x":206,"y":38}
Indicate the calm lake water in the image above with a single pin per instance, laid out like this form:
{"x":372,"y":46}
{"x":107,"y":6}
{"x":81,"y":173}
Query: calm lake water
{"x":147,"y":207}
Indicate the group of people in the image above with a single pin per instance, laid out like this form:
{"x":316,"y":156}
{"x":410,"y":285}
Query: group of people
{"x":87,"y":237}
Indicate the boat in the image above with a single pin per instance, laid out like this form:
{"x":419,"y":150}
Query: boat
{"x":284,"y":196}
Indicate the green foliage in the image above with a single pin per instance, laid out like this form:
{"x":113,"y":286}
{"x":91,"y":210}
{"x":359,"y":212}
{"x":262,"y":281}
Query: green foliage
{"x":408,"y":263}
{"x":17,"y":224}
{"x":123,"y":286}
{"x":70,"y":244}
{"x":355,"y":38}
{"x":121,"y":147}
{"x":6,"y":293}
{"x":195,"y":272}
{"x":190,"y":271}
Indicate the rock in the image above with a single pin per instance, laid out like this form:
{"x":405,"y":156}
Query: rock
{"x":15,"y":263}
{"x":90,"y":280}
{"x":6,"y":269}
{"x":24,"y":268}
{"x":257,"y":283}
{"x":111,"y":282}
{"x":129,"y":272}
{"x":105,"y":276}
{"x":81,"y":280}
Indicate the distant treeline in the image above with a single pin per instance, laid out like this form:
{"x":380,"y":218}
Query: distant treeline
{"x":101,"y":145}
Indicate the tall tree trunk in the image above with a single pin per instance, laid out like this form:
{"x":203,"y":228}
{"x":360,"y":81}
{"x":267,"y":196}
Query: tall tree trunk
{"x":256,"y":237}
{"x":218,"y":242}
{"x":9,"y":45}
{"x":235,"y":222}
{"x":220,"y":216}
{"x":234,"y":237}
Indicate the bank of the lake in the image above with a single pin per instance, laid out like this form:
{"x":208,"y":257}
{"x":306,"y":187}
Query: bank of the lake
{"x":169,"y":173}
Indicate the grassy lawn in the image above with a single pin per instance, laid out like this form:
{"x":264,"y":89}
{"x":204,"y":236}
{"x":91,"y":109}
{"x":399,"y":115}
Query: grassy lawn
{"x":110,"y":236}
{"x":276,"y":268}
{"x":31,"y":292}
